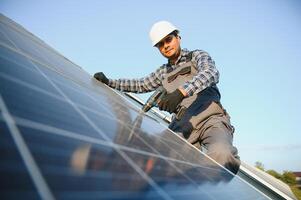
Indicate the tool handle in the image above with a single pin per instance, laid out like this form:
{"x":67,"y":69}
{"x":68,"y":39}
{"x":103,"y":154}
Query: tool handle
{"x":154,"y":98}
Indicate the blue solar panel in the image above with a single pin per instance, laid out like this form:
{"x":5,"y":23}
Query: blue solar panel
{"x":66,"y":136}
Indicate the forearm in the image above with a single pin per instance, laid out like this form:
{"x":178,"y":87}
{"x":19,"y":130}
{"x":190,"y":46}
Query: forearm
{"x":142,"y":85}
{"x":134,"y":85}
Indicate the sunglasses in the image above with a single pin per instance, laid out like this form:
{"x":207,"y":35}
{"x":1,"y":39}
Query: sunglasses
{"x":167,"y":40}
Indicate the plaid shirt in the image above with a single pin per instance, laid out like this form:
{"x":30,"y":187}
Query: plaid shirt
{"x":207,"y":76}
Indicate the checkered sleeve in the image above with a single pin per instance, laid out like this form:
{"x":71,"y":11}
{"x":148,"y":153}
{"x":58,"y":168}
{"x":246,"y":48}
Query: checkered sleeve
{"x":142,"y":85}
{"x":207,"y":73}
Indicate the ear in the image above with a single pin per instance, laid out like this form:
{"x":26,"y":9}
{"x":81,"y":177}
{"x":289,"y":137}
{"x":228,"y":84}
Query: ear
{"x":179,"y":38}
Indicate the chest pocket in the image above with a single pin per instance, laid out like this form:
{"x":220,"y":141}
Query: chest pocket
{"x":185,"y":70}
{"x":177,"y":77}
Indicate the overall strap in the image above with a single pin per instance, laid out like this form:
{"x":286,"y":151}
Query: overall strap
{"x":189,"y":58}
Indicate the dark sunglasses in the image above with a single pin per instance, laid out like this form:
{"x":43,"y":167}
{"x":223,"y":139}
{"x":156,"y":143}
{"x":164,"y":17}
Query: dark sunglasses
{"x":167,"y":40}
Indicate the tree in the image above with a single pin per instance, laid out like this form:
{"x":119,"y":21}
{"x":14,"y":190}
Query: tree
{"x":289,"y":178}
{"x":274,"y":173}
{"x":259,"y":165}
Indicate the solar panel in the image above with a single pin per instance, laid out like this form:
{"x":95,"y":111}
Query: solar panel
{"x":66,"y":136}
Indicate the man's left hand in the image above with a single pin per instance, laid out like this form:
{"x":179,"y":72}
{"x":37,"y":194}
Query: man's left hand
{"x":170,"y":101}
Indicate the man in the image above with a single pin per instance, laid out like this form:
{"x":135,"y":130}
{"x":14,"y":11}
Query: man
{"x":190,"y":78}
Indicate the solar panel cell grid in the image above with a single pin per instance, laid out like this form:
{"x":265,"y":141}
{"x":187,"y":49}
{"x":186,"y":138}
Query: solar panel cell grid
{"x":66,"y":136}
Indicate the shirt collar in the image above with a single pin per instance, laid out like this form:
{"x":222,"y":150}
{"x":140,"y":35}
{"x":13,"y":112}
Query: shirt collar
{"x":182,"y":55}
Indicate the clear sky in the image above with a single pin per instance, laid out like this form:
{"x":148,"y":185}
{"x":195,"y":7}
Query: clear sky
{"x":256,"y":46}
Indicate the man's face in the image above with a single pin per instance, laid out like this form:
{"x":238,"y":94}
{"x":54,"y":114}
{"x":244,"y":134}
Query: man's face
{"x":170,"y":46}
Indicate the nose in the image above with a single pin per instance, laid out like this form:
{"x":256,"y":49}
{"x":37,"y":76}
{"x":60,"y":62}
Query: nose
{"x":166,"y":45}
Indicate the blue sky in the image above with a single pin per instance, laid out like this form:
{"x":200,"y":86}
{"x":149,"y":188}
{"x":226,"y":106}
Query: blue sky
{"x":256,"y":46}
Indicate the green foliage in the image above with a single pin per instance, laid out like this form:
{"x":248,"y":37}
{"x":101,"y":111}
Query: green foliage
{"x":296,"y":191}
{"x":274,"y":173}
{"x":289,"y":178}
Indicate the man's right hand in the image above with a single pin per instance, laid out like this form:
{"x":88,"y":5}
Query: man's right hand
{"x":101,"y":77}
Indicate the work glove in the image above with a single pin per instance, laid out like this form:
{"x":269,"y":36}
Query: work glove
{"x":101,"y":77}
{"x":170,"y":101}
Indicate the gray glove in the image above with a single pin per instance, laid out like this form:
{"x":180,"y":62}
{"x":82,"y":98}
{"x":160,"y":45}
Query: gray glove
{"x":101,"y":77}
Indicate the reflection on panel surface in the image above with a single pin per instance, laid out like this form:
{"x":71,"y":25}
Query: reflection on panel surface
{"x":86,"y":140}
{"x":15,"y":181}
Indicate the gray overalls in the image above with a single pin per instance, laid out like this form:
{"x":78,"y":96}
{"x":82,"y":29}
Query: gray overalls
{"x":201,"y":118}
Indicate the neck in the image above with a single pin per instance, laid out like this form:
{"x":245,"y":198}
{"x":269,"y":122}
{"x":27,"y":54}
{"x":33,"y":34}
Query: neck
{"x":175,"y":57}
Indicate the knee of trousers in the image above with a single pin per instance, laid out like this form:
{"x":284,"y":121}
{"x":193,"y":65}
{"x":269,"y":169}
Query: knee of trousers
{"x":226,"y":155}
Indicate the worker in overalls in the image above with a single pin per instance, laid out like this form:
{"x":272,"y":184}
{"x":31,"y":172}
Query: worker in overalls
{"x":190,"y":78}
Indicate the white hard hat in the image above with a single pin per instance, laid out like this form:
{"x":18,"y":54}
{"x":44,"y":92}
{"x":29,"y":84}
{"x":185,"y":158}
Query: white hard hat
{"x":160,"y":30}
